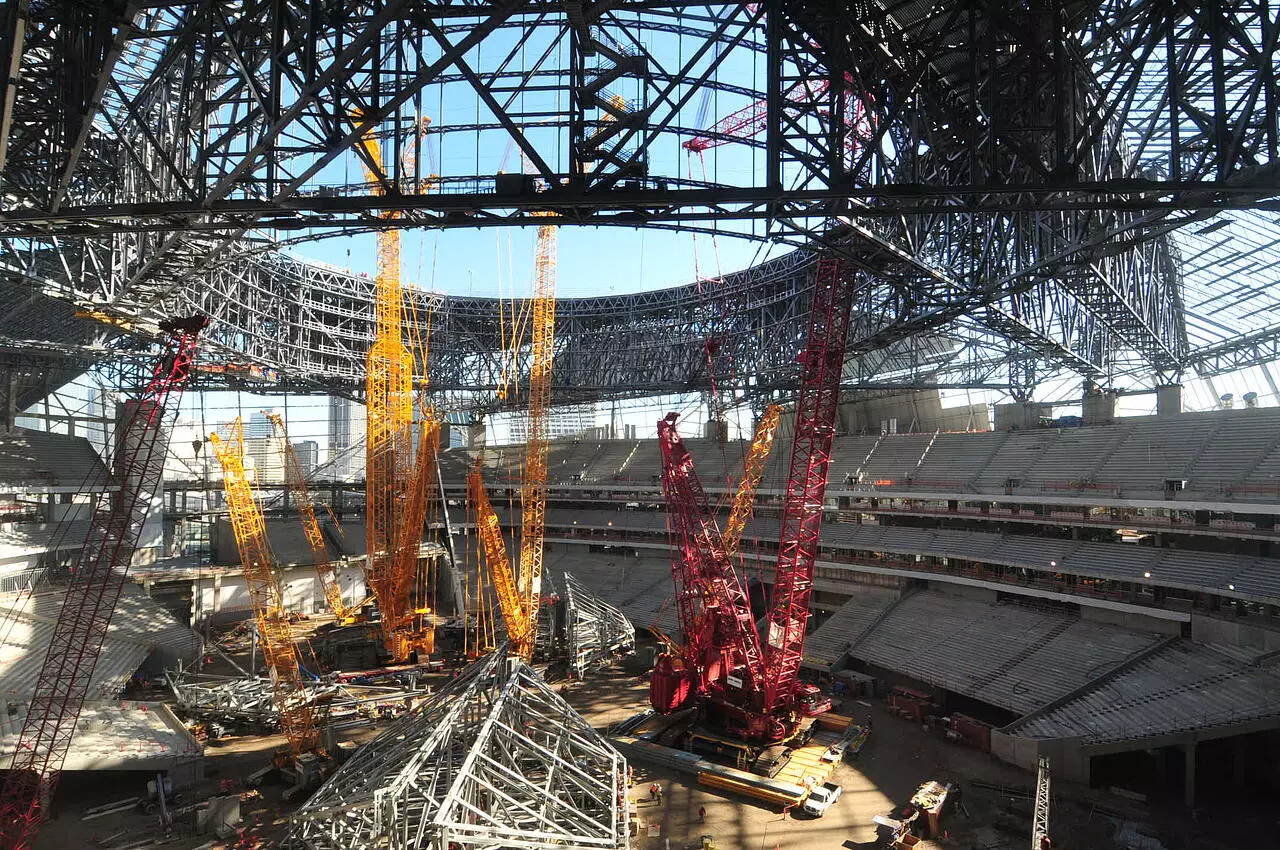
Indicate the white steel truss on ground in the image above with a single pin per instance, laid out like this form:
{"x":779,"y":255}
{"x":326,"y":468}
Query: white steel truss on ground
{"x":594,"y":629}
{"x":496,"y":759}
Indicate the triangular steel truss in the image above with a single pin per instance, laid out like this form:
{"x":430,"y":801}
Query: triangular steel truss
{"x":594,"y":629}
{"x":497,"y":759}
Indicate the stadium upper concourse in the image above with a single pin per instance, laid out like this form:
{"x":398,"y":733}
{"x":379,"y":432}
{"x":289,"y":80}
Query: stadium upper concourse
{"x":1053,"y":499}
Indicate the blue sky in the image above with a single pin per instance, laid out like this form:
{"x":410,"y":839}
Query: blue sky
{"x":591,"y":260}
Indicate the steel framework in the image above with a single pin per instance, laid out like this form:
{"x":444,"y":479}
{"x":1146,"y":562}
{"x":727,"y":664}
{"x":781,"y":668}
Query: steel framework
{"x":1026,"y":165}
{"x":497,"y":758}
{"x":594,"y":630}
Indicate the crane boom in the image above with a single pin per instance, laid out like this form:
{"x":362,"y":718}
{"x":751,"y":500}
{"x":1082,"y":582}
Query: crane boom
{"x":263,"y":583}
{"x":533,"y":484}
{"x":389,"y":399}
{"x":721,"y":654}
{"x":514,"y":613}
{"x":821,"y":367}
{"x":752,"y":472}
{"x":96,"y":584}
{"x":297,"y":484}
{"x":408,"y":637}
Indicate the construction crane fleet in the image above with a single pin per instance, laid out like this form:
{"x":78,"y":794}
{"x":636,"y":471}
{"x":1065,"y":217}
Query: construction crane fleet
{"x":520,"y":592}
{"x":300,"y":763}
{"x":296,"y":481}
{"x":97,"y":581}
{"x":395,"y":497}
{"x":753,"y":691}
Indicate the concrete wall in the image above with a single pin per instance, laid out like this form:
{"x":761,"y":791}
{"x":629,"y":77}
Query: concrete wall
{"x":1067,"y":760}
{"x":919,"y":412}
{"x":224,"y":597}
{"x":1234,"y":633}
{"x":1129,"y":619}
{"x":981,"y":594}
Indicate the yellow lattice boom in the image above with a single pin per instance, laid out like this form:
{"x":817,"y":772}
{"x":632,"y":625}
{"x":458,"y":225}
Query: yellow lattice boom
{"x":261,"y":577}
{"x":410,"y":624}
{"x":296,"y":481}
{"x":752,"y":472}
{"x":389,"y":398}
{"x":533,"y":483}
{"x":520,"y":627}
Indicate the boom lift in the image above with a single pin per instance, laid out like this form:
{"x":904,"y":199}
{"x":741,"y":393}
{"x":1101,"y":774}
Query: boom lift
{"x":300,"y":763}
{"x":96,"y":583}
{"x":751,"y":691}
{"x":297,"y":484}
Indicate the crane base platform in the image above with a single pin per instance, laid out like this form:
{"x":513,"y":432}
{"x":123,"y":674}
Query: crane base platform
{"x":788,"y":787}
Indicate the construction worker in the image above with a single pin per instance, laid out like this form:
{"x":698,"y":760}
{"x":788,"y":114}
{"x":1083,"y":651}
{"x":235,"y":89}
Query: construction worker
{"x":702,"y":814}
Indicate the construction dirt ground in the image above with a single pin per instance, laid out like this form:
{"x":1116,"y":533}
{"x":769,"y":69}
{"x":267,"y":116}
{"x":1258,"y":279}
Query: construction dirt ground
{"x":898,"y":757}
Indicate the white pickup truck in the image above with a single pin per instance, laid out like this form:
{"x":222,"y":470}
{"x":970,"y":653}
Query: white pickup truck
{"x":821,"y":798}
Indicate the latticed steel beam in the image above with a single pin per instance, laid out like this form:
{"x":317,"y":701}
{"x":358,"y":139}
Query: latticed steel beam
{"x":496,"y":759}
{"x":594,"y":630}
{"x":1030,"y":159}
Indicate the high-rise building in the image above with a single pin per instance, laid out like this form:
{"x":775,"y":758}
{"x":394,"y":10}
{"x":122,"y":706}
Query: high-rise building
{"x":268,"y":462}
{"x":562,"y":422}
{"x":339,"y":423}
{"x":259,"y":425}
{"x":308,"y":452}
{"x":346,"y":430}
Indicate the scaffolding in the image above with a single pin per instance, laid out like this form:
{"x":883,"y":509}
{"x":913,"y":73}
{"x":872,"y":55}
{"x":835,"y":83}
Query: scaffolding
{"x":496,"y":759}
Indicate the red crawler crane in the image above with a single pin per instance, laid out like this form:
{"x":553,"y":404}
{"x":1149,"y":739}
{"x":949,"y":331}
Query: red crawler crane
{"x":96,"y":584}
{"x":750,"y":691}
{"x":751,"y":120}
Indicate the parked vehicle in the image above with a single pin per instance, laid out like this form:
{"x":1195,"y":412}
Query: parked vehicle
{"x":822,"y":797}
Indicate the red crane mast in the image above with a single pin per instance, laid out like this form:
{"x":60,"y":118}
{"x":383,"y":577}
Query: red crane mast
{"x":757,"y":695}
{"x":721,"y":650}
{"x":96,"y":583}
{"x":821,"y":366}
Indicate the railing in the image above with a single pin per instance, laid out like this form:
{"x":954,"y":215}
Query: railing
{"x":22,"y":580}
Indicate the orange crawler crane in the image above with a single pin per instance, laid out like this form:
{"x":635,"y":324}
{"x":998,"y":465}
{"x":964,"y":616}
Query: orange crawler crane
{"x":533,"y":484}
{"x":407,"y":619}
{"x":300,"y":763}
{"x":297,"y":484}
{"x":521,"y":627}
{"x":389,"y":397}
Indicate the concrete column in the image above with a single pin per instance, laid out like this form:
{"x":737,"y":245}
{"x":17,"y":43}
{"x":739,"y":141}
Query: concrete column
{"x":1189,"y":774}
{"x":1169,"y":400}
{"x":1099,"y":407}
{"x":476,"y":435}
{"x":10,"y":411}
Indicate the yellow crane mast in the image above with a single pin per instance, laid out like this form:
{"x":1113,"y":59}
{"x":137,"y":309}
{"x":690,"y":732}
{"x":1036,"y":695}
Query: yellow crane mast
{"x":410,"y":624}
{"x":520,"y":626}
{"x":261,"y":577}
{"x":296,"y":481}
{"x":752,"y":472}
{"x":389,"y":398}
{"x":533,"y":483}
